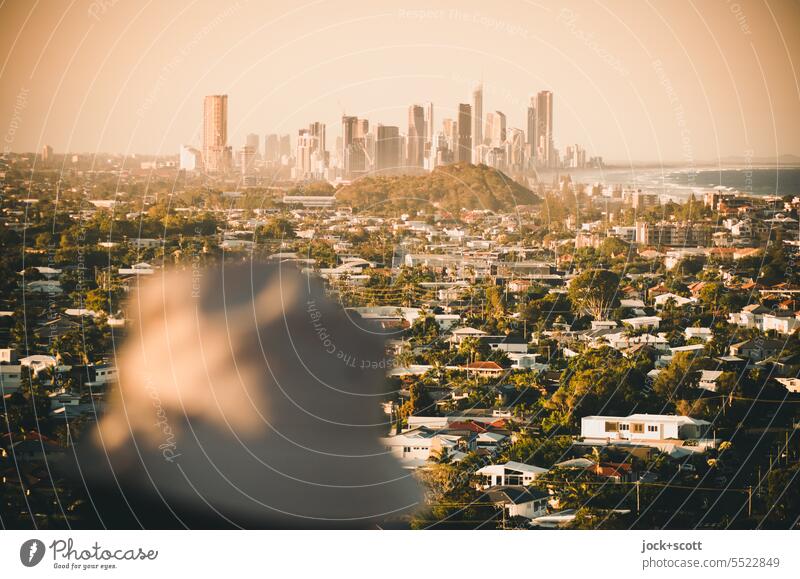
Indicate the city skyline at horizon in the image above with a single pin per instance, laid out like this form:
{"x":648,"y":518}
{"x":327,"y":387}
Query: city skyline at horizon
{"x":655,"y":83}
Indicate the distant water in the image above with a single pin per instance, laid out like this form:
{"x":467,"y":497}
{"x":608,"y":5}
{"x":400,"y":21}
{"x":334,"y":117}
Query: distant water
{"x":756,"y":181}
{"x":680,"y":183}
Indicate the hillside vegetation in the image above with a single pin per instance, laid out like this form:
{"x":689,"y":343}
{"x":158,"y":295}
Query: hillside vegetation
{"x":450,"y":187}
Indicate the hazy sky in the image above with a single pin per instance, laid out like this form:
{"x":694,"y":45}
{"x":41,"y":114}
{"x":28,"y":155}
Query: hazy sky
{"x":635,"y":80}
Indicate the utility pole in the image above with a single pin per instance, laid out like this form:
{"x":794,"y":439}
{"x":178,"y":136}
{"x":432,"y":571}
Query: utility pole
{"x":749,"y":501}
{"x":637,"y":498}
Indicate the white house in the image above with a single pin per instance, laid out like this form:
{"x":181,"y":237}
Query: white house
{"x":519,"y":501}
{"x":459,"y":335}
{"x":783,"y":322}
{"x":643,"y":427}
{"x":414,"y":447}
{"x":10,"y":378}
{"x":45,"y":286}
{"x":791,"y":384}
{"x":708,"y":379}
{"x":704,"y":334}
{"x":510,"y":473}
{"x":750,"y":316}
{"x":661,"y":300}
{"x":642,"y":322}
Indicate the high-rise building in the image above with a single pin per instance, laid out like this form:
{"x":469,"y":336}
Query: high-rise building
{"x":428,"y":134}
{"x":416,"y":136}
{"x":354,"y":154}
{"x":47,"y":154}
{"x":544,"y":129}
{"x":317,"y":130}
{"x":515,"y":149}
{"x":464,"y":151}
{"x":272,"y":148}
{"x":215,"y":132}
{"x":190,"y":159}
{"x":285,"y":148}
{"x":531,"y":136}
{"x":477,"y":122}
{"x":307,"y":157}
{"x":495,"y":129}
{"x":253,"y":141}
{"x":246,"y":159}
{"x":387,"y":148}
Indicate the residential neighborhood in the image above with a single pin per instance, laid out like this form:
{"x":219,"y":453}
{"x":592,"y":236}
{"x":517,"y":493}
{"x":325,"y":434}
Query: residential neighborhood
{"x":582,"y":361}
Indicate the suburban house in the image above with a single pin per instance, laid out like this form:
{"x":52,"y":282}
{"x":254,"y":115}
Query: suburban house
{"x":757,"y":349}
{"x":510,"y":473}
{"x":643,"y":322}
{"x":708,"y":379}
{"x":782,"y":321}
{"x":519,"y":501}
{"x":10,"y":378}
{"x":459,"y":335}
{"x":661,"y":301}
{"x":704,"y":334}
{"x":505,"y":344}
{"x":414,"y":447}
{"x":675,"y":435}
{"x":484,"y":368}
{"x":750,"y":316}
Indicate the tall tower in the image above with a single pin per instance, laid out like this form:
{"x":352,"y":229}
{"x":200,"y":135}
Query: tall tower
{"x":544,"y":128}
{"x":387,"y":148}
{"x":317,"y":130}
{"x":215,"y":132}
{"x":416,"y":136}
{"x":477,"y":122}
{"x":531,"y":136}
{"x":426,"y":154}
{"x":464,"y":150}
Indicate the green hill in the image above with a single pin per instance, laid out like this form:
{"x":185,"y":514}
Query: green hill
{"x":450,"y":187}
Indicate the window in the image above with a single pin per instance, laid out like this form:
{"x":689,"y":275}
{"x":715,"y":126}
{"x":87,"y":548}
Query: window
{"x":611,"y":427}
{"x":637,"y":428}
{"x":406,"y":449}
{"x":624,"y":427}
{"x":652,"y":428}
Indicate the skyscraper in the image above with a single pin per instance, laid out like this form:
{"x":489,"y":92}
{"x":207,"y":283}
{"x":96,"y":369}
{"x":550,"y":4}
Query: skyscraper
{"x":464,"y":151}
{"x":495,"y":129}
{"x":252,"y":140}
{"x":428,"y":133}
{"x":354,"y":132}
{"x":531,"y":136}
{"x":317,"y":130}
{"x":272,"y":148}
{"x":450,"y":130}
{"x":544,"y":128}
{"x":215,"y":132}
{"x":477,"y":122}
{"x":285,"y":149}
{"x":416,"y":136}
{"x":191,"y":159}
{"x":307,"y":154}
{"x":387,"y":147}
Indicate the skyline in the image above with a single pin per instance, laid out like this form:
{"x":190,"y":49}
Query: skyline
{"x":634,"y":83}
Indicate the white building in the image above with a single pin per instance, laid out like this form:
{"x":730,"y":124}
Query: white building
{"x":643,"y":427}
{"x":510,"y":473}
{"x":10,"y":378}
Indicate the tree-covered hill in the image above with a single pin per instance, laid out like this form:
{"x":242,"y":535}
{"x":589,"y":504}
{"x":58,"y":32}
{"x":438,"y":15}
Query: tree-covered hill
{"x":450,"y":187}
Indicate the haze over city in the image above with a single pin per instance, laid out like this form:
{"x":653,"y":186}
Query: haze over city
{"x":632,"y":82}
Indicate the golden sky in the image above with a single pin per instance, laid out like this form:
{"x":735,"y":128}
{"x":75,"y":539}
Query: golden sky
{"x":633,"y":80}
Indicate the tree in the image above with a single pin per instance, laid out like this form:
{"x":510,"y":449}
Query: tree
{"x":679,"y":378}
{"x":595,"y":291}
